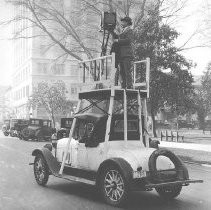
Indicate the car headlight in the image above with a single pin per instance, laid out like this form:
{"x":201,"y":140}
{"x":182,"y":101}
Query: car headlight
{"x":139,"y":174}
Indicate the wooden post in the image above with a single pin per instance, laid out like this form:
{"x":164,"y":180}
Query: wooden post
{"x":90,"y":71}
{"x":140,"y":118}
{"x":110,"y":112}
{"x":177,"y":137}
{"x":125,"y":116}
{"x":166,"y":135}
{"x":147,"y":75}
{"x":84,"y":72}
{"x":113,"y":70}
{"x":69,"y":140}
{"x":172,"y":136}
{"x":134,"y":72}
{"x":145,"y":122}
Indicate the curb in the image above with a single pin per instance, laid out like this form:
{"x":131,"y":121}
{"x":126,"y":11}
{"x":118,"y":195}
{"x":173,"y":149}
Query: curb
{"x":199,"y":164}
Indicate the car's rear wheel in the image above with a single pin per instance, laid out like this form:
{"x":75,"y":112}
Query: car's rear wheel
{"x":12,"y":134}
{"x":41,"y":171}
{"x":113,"y":186}
{"x":169,"y":192}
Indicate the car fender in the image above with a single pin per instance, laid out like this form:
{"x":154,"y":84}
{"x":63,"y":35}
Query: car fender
{"x":51,"y":161}
{"x":182,"y":172}
{"x":121,"y":163}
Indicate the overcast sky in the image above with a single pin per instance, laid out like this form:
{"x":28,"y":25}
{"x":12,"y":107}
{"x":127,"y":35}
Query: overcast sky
{"x":201,"y":56}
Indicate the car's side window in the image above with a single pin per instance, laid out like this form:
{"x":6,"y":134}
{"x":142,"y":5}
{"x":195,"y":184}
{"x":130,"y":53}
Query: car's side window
{"x":80,"y":130}
{"x":89,"y":129}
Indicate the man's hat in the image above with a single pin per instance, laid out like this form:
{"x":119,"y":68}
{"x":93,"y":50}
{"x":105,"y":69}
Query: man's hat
{"x":127,"y":19}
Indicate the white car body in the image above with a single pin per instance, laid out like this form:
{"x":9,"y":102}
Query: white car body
{"x":90,"y":158}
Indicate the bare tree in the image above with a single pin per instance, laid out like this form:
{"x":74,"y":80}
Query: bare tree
{"x":73,"y":25}
{"x":65,"y":27}
{"x":74,"y":28}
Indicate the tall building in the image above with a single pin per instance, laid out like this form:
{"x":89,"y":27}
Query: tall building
{"x":36,"y":60}
{"x":36,"y":57}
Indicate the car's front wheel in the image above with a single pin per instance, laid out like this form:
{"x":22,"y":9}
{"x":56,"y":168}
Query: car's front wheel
{"x":113,"y":186}
{"x":41,"y":171}
{"x":6,"y":133}
{"x":169,"y":192}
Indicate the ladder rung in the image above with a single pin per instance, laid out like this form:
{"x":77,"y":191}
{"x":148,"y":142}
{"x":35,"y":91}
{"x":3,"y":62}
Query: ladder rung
{"x":145,"y":91}
{"x":142,"y":84}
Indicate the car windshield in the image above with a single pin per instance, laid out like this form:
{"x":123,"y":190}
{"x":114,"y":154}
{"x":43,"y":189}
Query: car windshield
{"x":117,"y":130}
{"x":46,"y":123}
{"x":68,"y":123}
{"x":13,"y":122}
{"x":132,"y":125}
{"x":35,"y":122}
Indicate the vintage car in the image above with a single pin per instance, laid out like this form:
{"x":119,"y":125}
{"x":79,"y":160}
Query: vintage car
{"x":109,"y":147}
{"x":16,"y":126}
{"x":6,"y":127}
{"x":37,"y":129}
{"x":185,"y":124}
{"x":64,"y":131}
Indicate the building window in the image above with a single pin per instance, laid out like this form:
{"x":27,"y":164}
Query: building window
{"x":58,"y":69}
{"x":42,"y":68}
{"x":24,"y":92}
{"x":27,"y":91}
{"x":73,"y":90}
{"x":74,"y":70}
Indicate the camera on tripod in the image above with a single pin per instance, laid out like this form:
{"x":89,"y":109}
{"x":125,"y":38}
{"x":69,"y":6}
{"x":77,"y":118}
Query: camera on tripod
{"x":108,"y":21}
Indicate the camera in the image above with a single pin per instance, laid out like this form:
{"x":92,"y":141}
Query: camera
{"x":108,"y":21}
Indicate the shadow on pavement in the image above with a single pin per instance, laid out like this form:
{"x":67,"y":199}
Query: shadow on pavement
{"x":137,"y":200}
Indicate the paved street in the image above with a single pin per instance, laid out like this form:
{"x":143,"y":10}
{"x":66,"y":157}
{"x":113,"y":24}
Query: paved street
{"x":19,"y":191}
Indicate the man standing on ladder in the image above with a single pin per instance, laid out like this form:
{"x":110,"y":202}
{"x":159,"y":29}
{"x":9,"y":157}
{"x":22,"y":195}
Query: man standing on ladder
{"x":122,"y":46}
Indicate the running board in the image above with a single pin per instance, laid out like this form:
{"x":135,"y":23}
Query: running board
{"x":75,"y":179}
{"x":69,"y":173}
{"x":184,"y":183}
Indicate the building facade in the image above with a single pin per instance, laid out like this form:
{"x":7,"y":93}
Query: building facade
{"x":36,"y":58}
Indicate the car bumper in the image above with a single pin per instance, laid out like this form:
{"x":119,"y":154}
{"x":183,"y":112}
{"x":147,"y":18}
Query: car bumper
{"x":144,"y":185}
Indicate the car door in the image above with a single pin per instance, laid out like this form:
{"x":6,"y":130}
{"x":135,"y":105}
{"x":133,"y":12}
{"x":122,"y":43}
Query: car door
{"x":95,"y":156}
{"x":80,"y":154}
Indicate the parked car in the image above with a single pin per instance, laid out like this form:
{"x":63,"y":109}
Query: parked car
{"x":16,"y":126}
{"x":185,"y":124}
{"x":37,"y":129}
{"x":13,"y":123}
{"x":111,"y":150}
{"x":6,"y":127}
{"x":207,"y":126}
{"x":64,"y":131}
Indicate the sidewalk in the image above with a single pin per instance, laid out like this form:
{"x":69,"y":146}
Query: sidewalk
{"x":189,"y":152}
{"x":200,"y":147}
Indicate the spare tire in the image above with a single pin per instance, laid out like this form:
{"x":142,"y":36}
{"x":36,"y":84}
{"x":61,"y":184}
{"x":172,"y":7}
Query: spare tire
{"x":180,"y":168}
